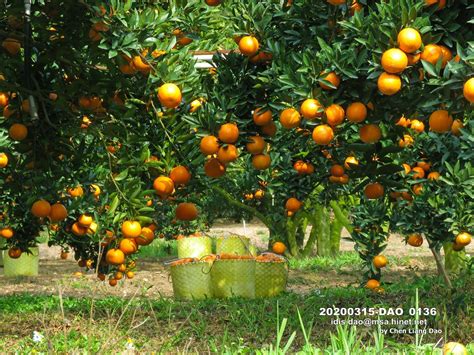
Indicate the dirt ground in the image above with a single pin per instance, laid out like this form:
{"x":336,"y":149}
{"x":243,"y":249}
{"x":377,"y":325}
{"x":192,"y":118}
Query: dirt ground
{"x":152,"y":277}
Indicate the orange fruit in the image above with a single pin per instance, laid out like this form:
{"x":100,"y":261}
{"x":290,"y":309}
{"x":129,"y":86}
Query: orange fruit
{"x":337,"y":170}
{"x":227,"y":153}
{"x":180,"y":175}
{"x":370,"y":133}
{"x":261,"y":161}
{"x":379,"y":261}
{"x":259,"y":194}
{"x":3,"y":99}
{"x":214,"y":168}
{"x":409,"y":40}
{"x":355,"y":7}
{"x":323,"y":134}
{"x":300,"y":166}
{"x":406,"y":141}
{"x":7,"y":232}
{"x":64,"y":255}
{"x":424,"y":165}
{"x":261,"y":117}
{"x":290,"y":118}
{"x":113,"y":282}
{"x":434,"y":175}
{"x":169,"y":95}
{"x":76,"y":191}
{"x":389,"y":84}
{"x":440,"y":121}
{"x":394,"y":61}
{"x":332,"y":77}
{"x":256,"y":145}
{"x":407,"y":168}
{"x":413,"y":59}
{"x":293,"y":204}
{"x":456,"y":127}
{"x":417,"y":189}
{"x":128,"y":246}
{"x":131,"y":229}
{"x":336,"y":2}
{"x":18,"y":131}
{"x":140,"y":64}
{"x":248,"y":46}
{"x":372,"y":284}
{"x":77,"y":230}
{"x":334,"y":115}
{"x":404,"y":122}
{"x":12,"y":46}
{"x":356,"y":112}
{"x":415,"y":240}
{"x":3,"y":160}
{"x":228,"y":133}
{"x":310,"y":109}
{"x":374,"y":191}
{"x":41,"y":208}
{"x":195,"y":105}
{"x":463,"y":239}
{"x":209,"y":145}
{"x":95,"y":189}
{"x":269,"y":129}
{"x":186,"y":211}
{"x":418,"y":173}
{"x":447,"y":55}
{"x":14,"y":252}
{"x":163,"y":186}
{"x":432,"y":53}
{"x":146,"y":237}
{"x":278,"y":248}
{"x":130,"y":274}
{"x":417,"y":126}
{"x":351,"y":162}
{"x":213,"y":2}
{"x":115,"y":257}
{"x":85,"y":220}
{"x":468,"y":90}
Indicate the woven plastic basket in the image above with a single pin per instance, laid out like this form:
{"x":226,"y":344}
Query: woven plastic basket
{"x":194,"y":247}
{"x":233,"y":278}
{"x":25,"y":265}
{"x":235,"y":245}
{"x":192,"y":280}
{"x":270,"y":278}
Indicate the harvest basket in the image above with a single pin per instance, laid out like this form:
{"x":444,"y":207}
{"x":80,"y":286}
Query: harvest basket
{"x":234,"y":244}
{"x":270,"y":277}
{"x":194,"y":247}
{"x":25,"y":265}
{"x":192,"y":280}
{"x":233,"y":278}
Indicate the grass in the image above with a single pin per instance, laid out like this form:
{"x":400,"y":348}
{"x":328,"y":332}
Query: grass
{"x":112,"y":324}
{"x":159,"y":249}
{"x":344,"y":259}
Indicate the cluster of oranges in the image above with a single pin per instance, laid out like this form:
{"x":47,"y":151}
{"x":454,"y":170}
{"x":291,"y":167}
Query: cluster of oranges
{"x":257,"y":195}
{"x":292,"y":205}
{"x":379,"y":262}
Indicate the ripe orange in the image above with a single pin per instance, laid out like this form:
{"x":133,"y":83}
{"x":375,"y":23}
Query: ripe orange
{"x":213,"y":2}
{"x":131,"y":229}
{"x":269,"y":129}
{"x":259,"y":194}
{"x":389,"y":84}
{"x":417,"y":126}
{"x":409,"y":40}
{"x":228,"y":133}
{"x":407,"y":168}
{"x":279,"y":248}
{"x":424,"y":165}
{"x":379,"y":261}
{"x":434,"y":175}
{"x":186,"y":211}
{"x":374,"y":191}
{"x":372,"y":284}
{"x":406,"y":141}
{"x":256,"y":145}
{"x":12,"y":46}
{"x":432,"y":53}
{"x":7,"y":232}
{"x":140,"y":64}
{"x":128,"y":246}
{"x":456,"y":127}
{"x":14,"y":252}
{"x":290,"y":118}
{"x":163,"y":186}
{"x":413,"y":59}
{"x":113,"y":282}
{"x":454,"y":348}
{"x":41,"y":208}
{"x":115,"y":257}
{"x":394,"y":61}
{"x":130,"y":274}
{"x":334,"y":115}
{"x":77,"y":230}
{"x":415,"y":240}
{"x":180,"y":175}
{"x":332,"y":77}
{"x":18,"y":131}
{"x":351,"y":162}
{"x":3,"y":160}
{"x":169,"y":95}
{"x":95,"y":189}
{"x":300,"y":166}
{"x":417,"y":189}
{"x":293,"y":204}
{"x":146,"y":237}
{"x":336,"y":2}
{"x":468,"y":90}
{"x":337,"y":170}
{"x":85,"y":220}
{"x":356,"y":112}
{"x":403,"y":121}
{"x":214,"y":168}
{"x":209,"y":145}
{"x":440,"y":121}
{"x":310,"y":109}
{"x":248,"y":46}
{"x":463,"y":239}
{"x":447,"y":55}
{"x":261,"y":161}
{"x":227,"y":153}
{"x":3,"y":99}
{"x":76,"y":191}
{"x":370,"y":133}
{"x":323,"y":134}
{"x":262,"y":118}
{"x":418,"y":173}
{"x":64,"y":255}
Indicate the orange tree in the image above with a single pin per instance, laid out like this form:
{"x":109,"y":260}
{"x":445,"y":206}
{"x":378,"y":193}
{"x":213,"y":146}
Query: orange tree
{"x":326,"y":100}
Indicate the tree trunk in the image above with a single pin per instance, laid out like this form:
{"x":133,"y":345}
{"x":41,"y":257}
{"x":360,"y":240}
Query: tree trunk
{"x":324,"y":237}
{"x":335,"y":240}
{"x":440,"y":266}
{"x":454,"y":261}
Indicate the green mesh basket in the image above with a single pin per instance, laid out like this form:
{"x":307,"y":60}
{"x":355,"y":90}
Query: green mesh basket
{"x":270,"y":278}
{"x":233,"y":278}
{"x":192,"y":280}
{"x":25,"y":265}
{"x":235,"y":245}
{"x":194,"y":247}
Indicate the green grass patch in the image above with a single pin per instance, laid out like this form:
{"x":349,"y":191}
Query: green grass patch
{"x":159,"y":249}
{"x":337,"y":262}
